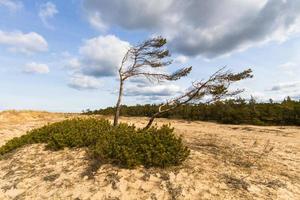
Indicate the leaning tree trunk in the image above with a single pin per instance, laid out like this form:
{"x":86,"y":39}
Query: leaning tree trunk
{"x":155,"y":115}
{"x":150,"y":122}
{"x":118,"y":105}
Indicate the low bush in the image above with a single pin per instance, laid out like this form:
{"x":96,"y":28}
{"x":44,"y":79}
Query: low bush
{"x":128,"y":147}
{"x":124,"y":145}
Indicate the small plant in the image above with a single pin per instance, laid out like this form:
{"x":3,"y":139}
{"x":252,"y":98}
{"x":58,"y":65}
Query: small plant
{"x":124,"y":145}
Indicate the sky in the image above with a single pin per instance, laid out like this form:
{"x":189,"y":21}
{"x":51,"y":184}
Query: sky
{"x":64,"y":55}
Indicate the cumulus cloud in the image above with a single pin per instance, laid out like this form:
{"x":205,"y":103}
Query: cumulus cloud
{"x":293,"y":86}
{"x":101,"y":56}
{"x":153,"y":99}
{"x":181,"y":59}
{"x":11,"y":5}
{"x":200,"y":27}
{"x":47,"y":11}
{"x":139,"y":80}
{"x":36,"y":68}
{"x":96,"y":22}
{"x":281,"y":90}
{"x":98,"y":57}
{"x":129,"y":14}
{"x":276,"y":92}
{"x":82,"y":82}
{"x":163,"y":90}
{"x":273,"y":22}
{"x":72,"y":63}
{"x":27,"y":43}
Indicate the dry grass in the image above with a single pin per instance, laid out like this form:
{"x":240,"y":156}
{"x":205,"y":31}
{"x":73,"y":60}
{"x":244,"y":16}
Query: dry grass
{"x":14,"y":123}
{"x":226,"y":162}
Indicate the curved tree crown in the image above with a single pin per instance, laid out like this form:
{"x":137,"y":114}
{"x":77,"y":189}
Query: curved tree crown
{"x":142,"y":58}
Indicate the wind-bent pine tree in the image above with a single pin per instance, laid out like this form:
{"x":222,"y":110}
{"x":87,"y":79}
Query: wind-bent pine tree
{"x":213,"y":89}
{"x":140,"y":60}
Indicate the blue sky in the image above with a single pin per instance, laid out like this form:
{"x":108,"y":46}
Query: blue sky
{"x":63,"y":55}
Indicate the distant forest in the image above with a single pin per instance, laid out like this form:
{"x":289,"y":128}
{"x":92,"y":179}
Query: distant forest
{"x":233,"y":111}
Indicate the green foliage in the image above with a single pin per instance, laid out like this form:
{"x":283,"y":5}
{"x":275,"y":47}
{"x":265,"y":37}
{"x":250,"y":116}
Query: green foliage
{"x":123,"y":145}
{"x":234,"y":111}
{"x":153,"y":147}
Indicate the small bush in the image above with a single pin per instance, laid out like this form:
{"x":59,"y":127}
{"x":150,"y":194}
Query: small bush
{"x":126,"y":146}
{"x":123,"y":145}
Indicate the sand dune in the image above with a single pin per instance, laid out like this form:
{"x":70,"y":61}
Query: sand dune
{"x":226,"y":162}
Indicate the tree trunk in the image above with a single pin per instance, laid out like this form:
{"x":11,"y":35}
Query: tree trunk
{"x":118,"y":105}
{"x":150,"y":122}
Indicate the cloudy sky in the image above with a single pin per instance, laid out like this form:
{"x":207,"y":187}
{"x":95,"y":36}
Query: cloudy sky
{"x":63,"y":55}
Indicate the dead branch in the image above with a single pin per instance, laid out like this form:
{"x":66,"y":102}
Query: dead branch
{"x":140,"y":59}
{"x":216,"y":87}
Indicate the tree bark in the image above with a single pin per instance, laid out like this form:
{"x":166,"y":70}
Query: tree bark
{"x":155,"y":115}
{"x":150,"y":122}
{"x":118,"y":105}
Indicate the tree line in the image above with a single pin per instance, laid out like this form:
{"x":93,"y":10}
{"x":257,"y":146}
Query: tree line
{"x":232,"y":111}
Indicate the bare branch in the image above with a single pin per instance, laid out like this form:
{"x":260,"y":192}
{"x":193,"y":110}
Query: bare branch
{"x":140,"y":59}
{"x":215,"y":88}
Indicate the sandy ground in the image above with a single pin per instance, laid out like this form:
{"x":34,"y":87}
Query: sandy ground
{"x":226,"y":162}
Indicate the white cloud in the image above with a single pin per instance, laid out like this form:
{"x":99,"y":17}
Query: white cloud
{"x":128,"y":13}
{"x":276,"y":92}
{"x":286,"y":87}
{"x":290,"y":68}
{"x":82,"y":82}
{"x":27,"y":43}
{"x":95,"y":20}
{"x":73,"y":63}
{"x":163,"y":90}
{"x":288,"y":65}
{"x":36,"y":68}
{"x":11,"y":5}
{"x":46,"y":12}
{"x":139,"y":80}
{"x":181,"y":59}
{"x":101,"y":56}
{"x":200,"y":27}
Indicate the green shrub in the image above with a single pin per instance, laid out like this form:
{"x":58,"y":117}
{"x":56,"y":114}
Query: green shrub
{"x":129,"y":147}
{"x":123,"y":145}
{"x":258,"y":122}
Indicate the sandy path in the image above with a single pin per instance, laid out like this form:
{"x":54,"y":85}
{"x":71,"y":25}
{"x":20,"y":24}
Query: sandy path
{"x":225,"y":163}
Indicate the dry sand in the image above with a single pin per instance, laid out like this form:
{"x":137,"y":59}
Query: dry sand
{"x":226,"y":162}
